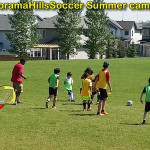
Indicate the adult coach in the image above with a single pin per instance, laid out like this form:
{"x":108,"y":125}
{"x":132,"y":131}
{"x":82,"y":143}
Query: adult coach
{"x":103,"y":80}
{"x":17,"y":75}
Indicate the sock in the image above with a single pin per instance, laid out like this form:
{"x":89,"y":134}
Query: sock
{"x":102,"y":111}
{"x":88,"y":105}
{"x":48,"y":100}
{"x":84,"y":105}
{"x":72,"y":96}
{"x":69,"y":97}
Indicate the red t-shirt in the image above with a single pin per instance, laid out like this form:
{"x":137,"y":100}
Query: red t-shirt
{"x":18,"y":68}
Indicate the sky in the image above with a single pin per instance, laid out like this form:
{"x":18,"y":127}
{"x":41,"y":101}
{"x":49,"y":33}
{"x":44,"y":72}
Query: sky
{"x":126,"y":15}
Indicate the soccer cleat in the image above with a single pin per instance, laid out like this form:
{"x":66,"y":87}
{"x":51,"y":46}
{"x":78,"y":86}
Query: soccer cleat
{"x":73,"y":100}
{"x":53,"y":107}
{"x":14,"y":103}
{"x":19,"y":102}
{"x":89,"y":109}
{"x":91,"y":102}
{"x":100,"y":114}
{"x":143,"y":123}
{"x":104,"y":113}
{"x":46,"y":105}
{"x":84,"y":110}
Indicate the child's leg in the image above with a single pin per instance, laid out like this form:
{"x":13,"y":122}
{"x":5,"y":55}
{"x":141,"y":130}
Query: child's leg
{"x":103,"y":105}
{"x":72,"y":95}
{"x":92,"y":97}
{"x":99,"y":107}
{"x":54,"y":100}
{"x":48,"y":99}
{"x":145,"y":114}
{"x":69,"y":94}
{"x":84,"y":105}
{"x":98,"y":94}
{"x":89,"y":102}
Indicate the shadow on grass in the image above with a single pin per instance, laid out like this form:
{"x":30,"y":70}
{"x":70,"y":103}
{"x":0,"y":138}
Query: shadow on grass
{"x":83,"y":115}
{"x":71,"y":103}
{"x":133,"y":124}
{"x":39,"y":108}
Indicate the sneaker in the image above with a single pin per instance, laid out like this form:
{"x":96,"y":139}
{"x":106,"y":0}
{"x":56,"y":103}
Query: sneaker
{"x":19,"y":102}
{"x":143,"y":123}
{"x":89,"y":109}
{"x":91,"y":102}
{"x":84,"y":110}
{"x":14,"y":103}
{"x":100,"y":114}
{"x":53,"y":107}
{"x":104,"y":113}
{"x":46,"y":105}
{"x":73,"y":100}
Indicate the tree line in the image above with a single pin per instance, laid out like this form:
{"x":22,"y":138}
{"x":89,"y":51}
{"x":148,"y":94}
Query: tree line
{"x":99,"y":41}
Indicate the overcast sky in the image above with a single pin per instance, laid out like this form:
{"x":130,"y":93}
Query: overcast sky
{"x":126,"y":15}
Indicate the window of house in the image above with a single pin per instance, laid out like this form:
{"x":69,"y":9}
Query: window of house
{"x":42,"y":33}
{"x":126,"y":33}
{"x":146,"y":32}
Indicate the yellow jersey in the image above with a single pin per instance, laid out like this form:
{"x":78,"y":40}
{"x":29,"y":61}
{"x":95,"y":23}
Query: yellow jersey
{"x":85,"y":85}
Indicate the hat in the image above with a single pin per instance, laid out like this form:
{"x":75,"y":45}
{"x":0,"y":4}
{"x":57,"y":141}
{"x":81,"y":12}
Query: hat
{"x":106,"y":64}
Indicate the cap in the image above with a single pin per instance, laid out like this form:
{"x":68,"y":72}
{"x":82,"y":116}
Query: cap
{"x":106,"y":64}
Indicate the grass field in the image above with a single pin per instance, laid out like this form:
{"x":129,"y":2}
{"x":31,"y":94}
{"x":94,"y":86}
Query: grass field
{"x":32,"y":127}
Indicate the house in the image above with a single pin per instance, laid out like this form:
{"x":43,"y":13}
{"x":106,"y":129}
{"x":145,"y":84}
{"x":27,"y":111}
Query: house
{"x":49,"y":46}
{"x":5,"y":27}
{"x":145,"y":42}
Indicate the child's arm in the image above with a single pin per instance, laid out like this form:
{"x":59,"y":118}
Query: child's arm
{"x":91,"y":90}
{"x":144,"y":91}
{"x":141,"y":97}
{"x":57,"y":82}
{"x":96,"y":80}
{"x":108,"y":82}
{"x":48,"y":80}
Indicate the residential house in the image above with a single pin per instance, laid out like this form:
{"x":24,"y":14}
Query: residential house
{"x":145,"y":42}
{"x":5,"y":27}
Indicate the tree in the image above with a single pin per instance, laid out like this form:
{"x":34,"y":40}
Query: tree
{"x":97,"y":33}
{"x":131,"y":52}
{"x":121,"y":49}
{"x":68,"y":30}
{"x":25,"y":31}
{"x":111,"y":48}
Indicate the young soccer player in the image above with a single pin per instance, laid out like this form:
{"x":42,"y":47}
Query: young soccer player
{"x":103,"y":80}
{"x":53,"y":81}
{"x":89,"y":72}
{"x":68,"y":85}
{"x":86,"y":92}
{"x":146,"y":91}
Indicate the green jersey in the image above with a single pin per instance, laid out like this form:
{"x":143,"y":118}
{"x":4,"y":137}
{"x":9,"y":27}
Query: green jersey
{"x":53,"y":79}
{"x":147,"y":91}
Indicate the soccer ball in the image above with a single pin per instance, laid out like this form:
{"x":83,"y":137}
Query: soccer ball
{"x":129,"y":103}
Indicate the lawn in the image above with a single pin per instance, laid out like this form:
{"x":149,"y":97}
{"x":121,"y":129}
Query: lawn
{"x":30,"y":126}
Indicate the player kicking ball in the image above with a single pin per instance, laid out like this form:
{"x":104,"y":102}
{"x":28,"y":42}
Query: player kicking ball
{"x":53,"y":87}
{"x":146,"y":91}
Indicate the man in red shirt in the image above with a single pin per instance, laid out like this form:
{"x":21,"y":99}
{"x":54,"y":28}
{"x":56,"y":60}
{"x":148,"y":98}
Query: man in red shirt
{"x":17,"y":75}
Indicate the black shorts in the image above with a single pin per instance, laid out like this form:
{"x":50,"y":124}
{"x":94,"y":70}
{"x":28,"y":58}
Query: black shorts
{"x":103,"y":94}
{"x":53,"y":91}
{"x":147,"y":107}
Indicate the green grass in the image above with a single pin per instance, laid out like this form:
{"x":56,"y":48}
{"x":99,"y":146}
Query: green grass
{"x":30,"y":127}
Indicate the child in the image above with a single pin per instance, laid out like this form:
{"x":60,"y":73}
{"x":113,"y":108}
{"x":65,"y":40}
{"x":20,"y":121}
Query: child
{"x":147,"y":100}
{"x":53,"y":87}
{"x":86,"y":92}
{"x":103,"y":80}
{"x":89,"y":72}
{"x":68,"y":85}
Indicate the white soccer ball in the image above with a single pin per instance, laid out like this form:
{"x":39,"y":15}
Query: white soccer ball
{"x":129,"y":103}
